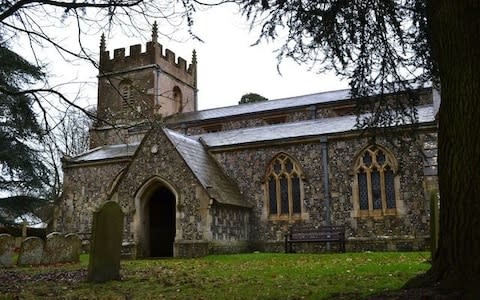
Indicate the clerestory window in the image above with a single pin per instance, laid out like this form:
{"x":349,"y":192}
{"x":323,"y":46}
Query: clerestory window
{"x":284,"y":188}
{"x":376,"y":185}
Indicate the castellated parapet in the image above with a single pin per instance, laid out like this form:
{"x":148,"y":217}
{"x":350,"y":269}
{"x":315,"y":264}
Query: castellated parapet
{"x":154,"y":55}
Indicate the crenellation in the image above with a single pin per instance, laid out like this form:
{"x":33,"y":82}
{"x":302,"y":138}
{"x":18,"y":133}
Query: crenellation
{"x":135,"y":50}
{"x":182,"y":64}
{"x":153,"y":54}
{"x":119,"y":53}
{"x":170,"y":56}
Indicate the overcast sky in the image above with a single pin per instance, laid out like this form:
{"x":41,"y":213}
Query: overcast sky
{"x":228,"y":67}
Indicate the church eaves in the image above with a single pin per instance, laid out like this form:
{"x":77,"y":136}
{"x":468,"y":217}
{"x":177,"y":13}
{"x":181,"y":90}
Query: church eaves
{"x":102,"y":153}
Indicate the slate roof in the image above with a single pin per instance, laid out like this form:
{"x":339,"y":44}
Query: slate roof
{"x":204,"y":167}
{"x":284,"y":131}
{"x":106,"y":152}
{"x":295,"y":130}
{"x":258,"y":107}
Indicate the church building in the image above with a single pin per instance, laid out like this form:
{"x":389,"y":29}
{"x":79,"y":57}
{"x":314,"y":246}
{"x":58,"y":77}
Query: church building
{"x":235,"y":179}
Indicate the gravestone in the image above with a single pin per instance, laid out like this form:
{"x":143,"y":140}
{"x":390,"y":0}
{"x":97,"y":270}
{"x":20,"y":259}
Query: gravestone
{"x":54,"y":249}
{"x":7,"y":245}
{"x":106,"y":243}
{"x":74,"y":247}
{"x":31,"y":251}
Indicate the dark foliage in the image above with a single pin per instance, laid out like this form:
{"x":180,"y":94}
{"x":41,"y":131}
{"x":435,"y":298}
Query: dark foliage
{"x":380,"y":46}
{"x":21,"y":170}
{"x":34,"y":208}
{"x":252,"y":98}
{"x":31,"y":231}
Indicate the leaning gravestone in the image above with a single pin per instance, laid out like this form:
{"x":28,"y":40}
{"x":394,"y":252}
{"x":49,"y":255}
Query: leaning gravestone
{"x":106,"y":243}
{"x":53,"y":251}
{"x":31,"y":251}
{"x":7,"y":245}
{"x":74,"y":247}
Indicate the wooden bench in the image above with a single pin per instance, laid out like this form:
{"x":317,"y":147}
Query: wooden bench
{"x":315,"y":234}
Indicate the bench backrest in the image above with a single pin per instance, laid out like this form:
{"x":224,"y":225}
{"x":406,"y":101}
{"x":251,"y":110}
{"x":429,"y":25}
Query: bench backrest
{"x":317,"y":232}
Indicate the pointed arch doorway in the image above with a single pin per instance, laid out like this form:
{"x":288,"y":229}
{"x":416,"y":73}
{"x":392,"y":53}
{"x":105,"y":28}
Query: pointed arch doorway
{"x":161,"y":211}
{"x":156,"y":217}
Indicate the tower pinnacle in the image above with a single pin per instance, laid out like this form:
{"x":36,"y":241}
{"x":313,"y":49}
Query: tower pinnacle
{"x":194,"y":57}
{"x":155,"y":32}
{"x":102,"y":43}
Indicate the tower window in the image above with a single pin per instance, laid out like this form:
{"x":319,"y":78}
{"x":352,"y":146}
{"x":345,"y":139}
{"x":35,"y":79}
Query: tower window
{"x":376,"y":186}
{"x":284,"y":188}
{"x":126,"y":92}
{"x":177,"y":99}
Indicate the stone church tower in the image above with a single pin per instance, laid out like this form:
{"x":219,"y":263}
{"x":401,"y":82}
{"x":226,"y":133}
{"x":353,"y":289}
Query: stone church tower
{"x":137,"y":89}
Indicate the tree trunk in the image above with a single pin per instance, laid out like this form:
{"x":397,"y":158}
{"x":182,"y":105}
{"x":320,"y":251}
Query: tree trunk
{"x":455,"y":37}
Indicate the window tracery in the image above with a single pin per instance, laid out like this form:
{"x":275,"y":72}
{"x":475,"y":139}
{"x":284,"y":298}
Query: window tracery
{"x":284,"y":188}
{"x":376,"y":185}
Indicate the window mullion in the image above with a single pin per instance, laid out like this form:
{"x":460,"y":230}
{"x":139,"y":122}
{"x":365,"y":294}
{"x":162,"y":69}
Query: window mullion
{"x":290,"y":197}
{"x":279,"y":196}
{"x":369,"y":187}
{"x":382,"y":189}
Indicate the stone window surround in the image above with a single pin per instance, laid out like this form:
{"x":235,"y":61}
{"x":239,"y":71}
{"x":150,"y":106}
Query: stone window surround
{"x":126,"y":91}
{"x":390,"y":161}
{"x":296,"y":170}
{"x":177,"y":98}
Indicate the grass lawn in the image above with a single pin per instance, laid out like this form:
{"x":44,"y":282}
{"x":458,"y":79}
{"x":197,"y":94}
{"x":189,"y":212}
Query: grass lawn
{"x":241,"y":276}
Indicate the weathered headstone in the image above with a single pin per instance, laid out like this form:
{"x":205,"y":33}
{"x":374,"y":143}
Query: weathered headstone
{"x":106,"y":244}
{"x":31,"y":251}
{"x":73,"y":248}
{"x":7,"y":245}
{"x":54,"y":249}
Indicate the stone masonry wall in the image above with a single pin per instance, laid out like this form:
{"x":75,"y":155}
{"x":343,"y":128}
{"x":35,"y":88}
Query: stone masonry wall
{"x":248,"y":167}
{"x":229,"y":223}
{"x":410,"y":227}
{"x":411,"y":223}
{"x":167,"y":164}
{"x":85,"y":187}
{"x":230,"y":229}
{"x":110,"y":101}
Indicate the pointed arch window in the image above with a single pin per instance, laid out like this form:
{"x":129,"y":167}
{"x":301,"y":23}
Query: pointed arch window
{"x":284,"y":187}
{"x":376,"y":185}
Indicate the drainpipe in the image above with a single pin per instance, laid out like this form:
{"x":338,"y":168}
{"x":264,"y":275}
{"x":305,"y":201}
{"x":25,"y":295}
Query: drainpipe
{"x":326,"y":187}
